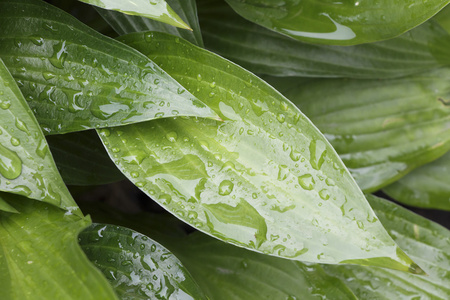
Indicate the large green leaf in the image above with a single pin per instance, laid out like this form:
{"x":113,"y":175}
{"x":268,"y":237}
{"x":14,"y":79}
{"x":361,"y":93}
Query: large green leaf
{"x":136,"y":266}
{"x":75,"y":79}
{"x":338,"y":23}
{"x":264,"y":178}
{"x":157,"y":10}
{"x":226,"y":272}
{"x":26,"y":166}
{"x":5,"y":206}
{"x":40,"y":257}
{"x":427,"y":186}
{"x":382,"y":129}
{"x":82,"y":160}
{"x":124,"y":24}
{"x":267,"y":52}
{"x":423,"y":240}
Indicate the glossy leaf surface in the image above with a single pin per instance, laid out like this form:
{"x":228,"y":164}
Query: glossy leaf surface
{"x":26,"y":165}
{"x":40,"y":257}
{"x":136,"y":266}
{"x":382,"y":129}
{"x":226,"y":272}
{"x":425,"y":241}
{"x":81,"y":159}
{"x":427,"y":186}
{"x":89,"y":80}
{"x":187,"y":9}
{"x":266,"y":52}
{"x":338,"y":23}
{"x":264,"y":178}
{"x":157,"y":10}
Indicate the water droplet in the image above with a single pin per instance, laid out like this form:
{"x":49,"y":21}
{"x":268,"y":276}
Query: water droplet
{"x":59,"y":55}
{"x":330,"y":182}
{"x":37,"y":41}
{"x":15,"y":141}
{"x":281,"y":118}
{"x":172,"y":136}
{"x":199,"y":77}
{"x":5,"y":104}
{"x":283,"y":172}
{"x":127,"y":263}
{"x":324,"y":194}
{"x":212,"y":84}
{"x":134,"y":174}
{"x":48,"y":75}
{"x":10,"y":163}
{"x":153,"y":248}
{"x":295,"y":155}
{"x":317,"y":151}
{"x":192,"y":215}
{"x":226,"y":187}
{"x":306,"y":181}
{"x":148,"y":37}
{"x":360,"y":224}
{"x":22,"y":126}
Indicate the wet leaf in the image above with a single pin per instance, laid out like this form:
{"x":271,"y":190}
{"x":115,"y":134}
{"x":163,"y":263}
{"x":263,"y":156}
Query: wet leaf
{"x":187,"y":9}
{"x":264,"y":178}
{"x":26,"y":165}
{"x":382,"y":129}
{"x":425,"y":241}
{"x":338,"y":23}
{"x":157,"y":10}
{"x":226,"y":272}
{"x":6,"y":207}
{"x":82,"y":160}
{"x":75,"y":79}
{"x":427,"y":186}
{"x":40,"y":257}
{"x":136,"y":266}
{"x":266,"y":52}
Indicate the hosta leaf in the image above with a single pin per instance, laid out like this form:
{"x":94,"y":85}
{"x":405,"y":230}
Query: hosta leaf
{"x":267,"y":52}
{"x":425,"y":241}
{"x":157,"y":10}
{"x":40,"y":257}
{"x":443,"y":18}
{"x":75,"y":79}
{"x":382,"y":129}
{"x":136,"y":266}
{"x":5,"y":206}
{"x":82,"y":160}
{"x":26,"y":166}
{"x":427,"y":186}
{"x":226,"y":272}
{"x":124,"y":24}
{"x":338,"y":23}
{"x":264,"y":178}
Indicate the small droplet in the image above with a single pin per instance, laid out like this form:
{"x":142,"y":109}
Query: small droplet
{"x":324,"y":194}
{"x":5,"y":104}
{"x":330,"y":182}
{"x":59,"y":55}
{"x":226,"y":187}
{"x":283,"y":172}
{"x":306,"y":182}
{"x":199,"y":77}
{"x":172,"y":136}
{"x":281,"y":118}
{"x":15,"y":141}
{"x":10,"y":163}
{"x":48,"y":75}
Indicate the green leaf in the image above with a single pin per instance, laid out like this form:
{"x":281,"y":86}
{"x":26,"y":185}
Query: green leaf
{"x":338,"y":23}
{"x":157,"y":10}
{"x":226,"y":272}
{"x":136,"y":266}
{"x":267,"y":52}
{"x":75,"y":79}
{"x":425,"y":241}
{"x":264,"y":178}
{"x":40,"y":257}
{"x":5,"y":206}
{"x":187,"y":9}
{"x":382,"y":129}
{"x":26,"y":166}
{"x":443,"y":18}
{"x":427,"y":186}
{"x":82,"y":160}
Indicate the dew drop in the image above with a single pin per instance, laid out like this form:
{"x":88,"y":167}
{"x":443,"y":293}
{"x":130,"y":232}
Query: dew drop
{"x":317,"y":151}
{"x":306,"y":182}
{"x":283,"y":172}
{"x":281,"y":118}
{"x":10,"y":163}
{"x":324,"y":194}
{"x":172,"y":136}
{"x":22,"y":126}
{"x":5,"y":104}
{"x":226,"y":187}
{"x":48,"y":75}
{"x":59,"y":55}
{"x":15,"y":141}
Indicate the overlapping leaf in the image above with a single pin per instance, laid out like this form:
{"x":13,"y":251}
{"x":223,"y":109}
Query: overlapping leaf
{"x":40,"y":257}
{"x":267,"y":52}
{"x":124,"y":24}
{"x":382,"y":129}
{"x":136,"y":266}
{"x":426,"y":242}
{"x":338,"y":23}
{"x":81,"y":159}
{"x":75,"y":79}
{"x":265,"y":178}
{"x":26,"y":166}
{"x":427,"y":186}
{"x":157,"y":10}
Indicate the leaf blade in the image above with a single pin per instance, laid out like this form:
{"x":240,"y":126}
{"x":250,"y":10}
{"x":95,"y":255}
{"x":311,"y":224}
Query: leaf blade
{"x":347,"y":23}
{"x":185,"y":158}
{"x":157,"y":10}
{"x":83,"y":83}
